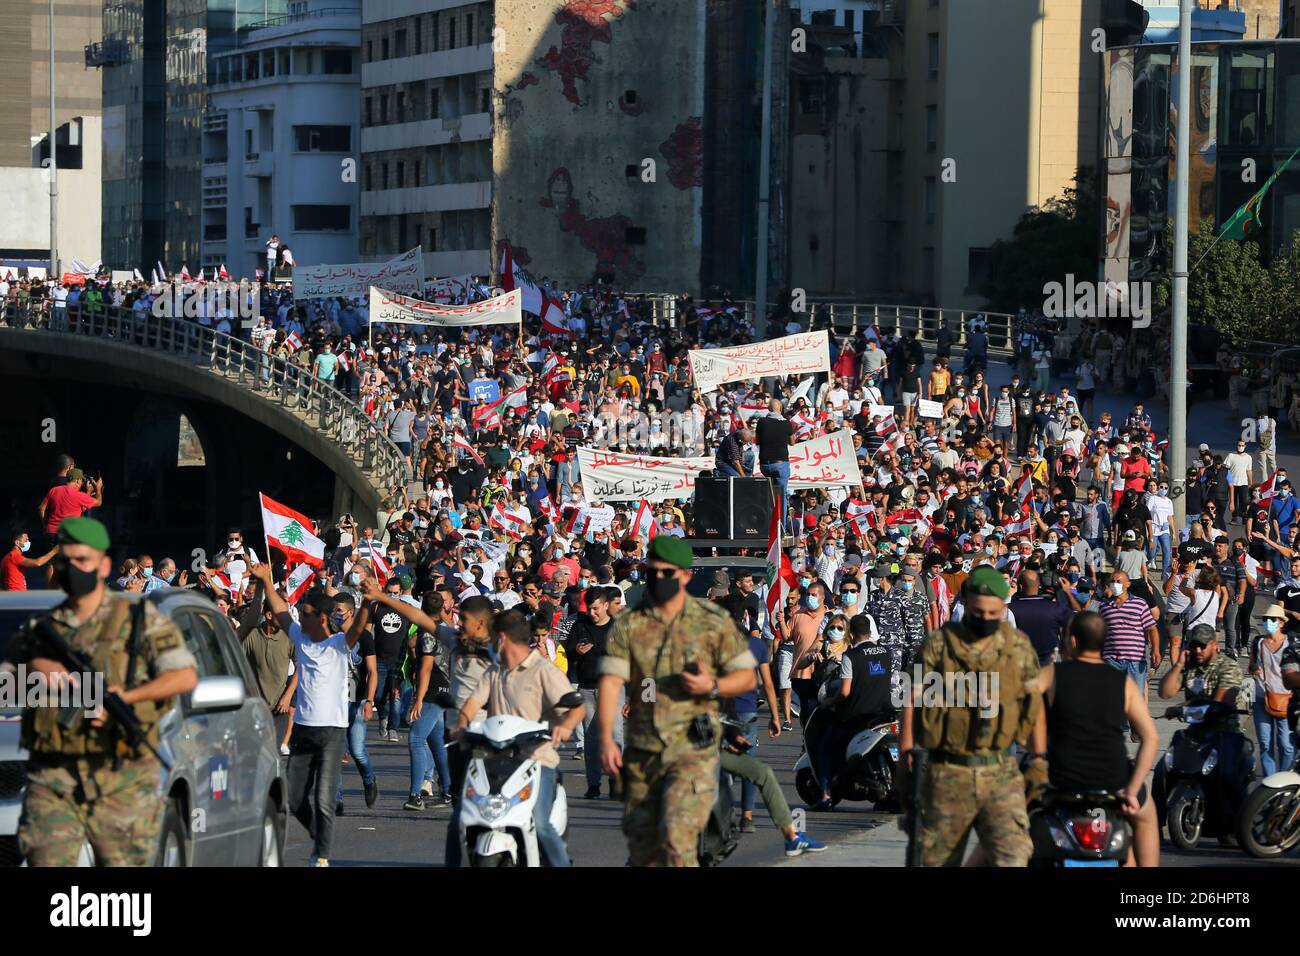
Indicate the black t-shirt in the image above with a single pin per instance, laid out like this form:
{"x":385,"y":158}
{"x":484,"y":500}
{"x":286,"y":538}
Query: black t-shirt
{"x":774,"y":440}
{"x":1289,"y":596}
{"x":358,"y":681}
{"x":390,"y":634}
{"x":1025,"y":403}
{"x":1193,"y":551}
{"x":1133,"y":516}
{"x":862,"y":425}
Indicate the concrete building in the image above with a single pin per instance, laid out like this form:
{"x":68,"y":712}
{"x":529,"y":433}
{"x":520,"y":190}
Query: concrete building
{"x":280,"y":134}
{"x":25,"y":127}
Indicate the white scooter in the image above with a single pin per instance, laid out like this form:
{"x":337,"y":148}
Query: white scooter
{"x":868,"y":768}
{"x":497,"y":827}
{"x":1269,"y":824}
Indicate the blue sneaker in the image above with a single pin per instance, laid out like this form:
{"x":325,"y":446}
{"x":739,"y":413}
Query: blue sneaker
{"x":802,"y":843}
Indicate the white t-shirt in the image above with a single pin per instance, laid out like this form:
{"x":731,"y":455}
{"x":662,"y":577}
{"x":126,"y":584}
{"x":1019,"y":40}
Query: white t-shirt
{"x":1238,"y":465}
{"x":1162,"y":512}
{"x":322,"y":679}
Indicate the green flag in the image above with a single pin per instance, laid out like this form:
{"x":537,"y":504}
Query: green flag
{"x":1245,"y":222}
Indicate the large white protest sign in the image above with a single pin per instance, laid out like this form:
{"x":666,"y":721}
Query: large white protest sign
{"x":800,"y":354}
{"x":405,"y":274}
{"x":826,"y":462}
{"x":929,"y":409}
{"x":881,"y":411}
{"x":387,"y":308}
{"x":612,"y":476}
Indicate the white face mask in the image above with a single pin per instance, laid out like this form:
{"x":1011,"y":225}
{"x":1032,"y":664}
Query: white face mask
{"x":233,"y":544}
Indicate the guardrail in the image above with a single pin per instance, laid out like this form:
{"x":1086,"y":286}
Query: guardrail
{"x":294,"y":389}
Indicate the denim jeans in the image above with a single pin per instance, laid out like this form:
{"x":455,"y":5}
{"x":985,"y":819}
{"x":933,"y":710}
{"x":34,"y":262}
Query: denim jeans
{"x":1272,"y":732}
{"x":315,"y":762}
{"x":427,"y":735}
{"x":748,"y":721}
{"x":1231,"y":635}
{"x":549,"y":841}
{"x":357,"y":747}
{"x":591,"y":749}
{"x":805,"y":691}
{"x":779,"y":471}
{"x":723,"y":470}
{"x":1160,"y":544}
{"x":390,"y":678}
{"x":1136,"y":670}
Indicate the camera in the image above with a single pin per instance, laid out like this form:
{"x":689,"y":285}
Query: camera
{"x":701,"y":731}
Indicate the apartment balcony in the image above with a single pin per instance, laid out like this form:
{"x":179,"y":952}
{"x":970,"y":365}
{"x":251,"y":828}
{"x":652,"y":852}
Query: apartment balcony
{"x":259,"y":165}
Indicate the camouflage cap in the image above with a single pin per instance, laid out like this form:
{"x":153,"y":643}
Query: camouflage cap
{"x":672,"y":550}
{"x":1201,"y":634}
{"x":85,"y":531}
{"x":986,"y":580}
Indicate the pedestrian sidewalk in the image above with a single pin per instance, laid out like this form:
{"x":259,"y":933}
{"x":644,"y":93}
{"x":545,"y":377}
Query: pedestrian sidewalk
{"x":881,"y":845}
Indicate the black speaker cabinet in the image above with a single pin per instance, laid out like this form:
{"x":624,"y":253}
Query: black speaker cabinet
{"x":732,"y":508}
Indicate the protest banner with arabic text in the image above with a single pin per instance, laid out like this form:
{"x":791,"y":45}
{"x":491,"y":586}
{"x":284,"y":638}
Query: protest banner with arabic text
{"x":828,"y":461}
{"x":610,"y":476}
{"x":800,"y":354}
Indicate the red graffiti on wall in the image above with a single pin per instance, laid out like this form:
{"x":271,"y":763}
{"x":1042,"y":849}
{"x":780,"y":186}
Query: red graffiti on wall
{"x":684,"y":151}
{"x":583,"y":23}
{"x":606,"y":237}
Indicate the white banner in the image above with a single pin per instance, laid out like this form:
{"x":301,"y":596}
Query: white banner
{"x":610,"y":476}
{"x":452,"y":287}
{"x":389,"y":308}
{"x":929,"y":409}
{"x":883,"y":411}
{"x":825,"y":462}
{"x":792,"y":355}
{"x":403,"y":274}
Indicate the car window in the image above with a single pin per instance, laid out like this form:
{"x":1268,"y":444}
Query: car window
{"x":225,"y":640}
{"x":202,"y":642}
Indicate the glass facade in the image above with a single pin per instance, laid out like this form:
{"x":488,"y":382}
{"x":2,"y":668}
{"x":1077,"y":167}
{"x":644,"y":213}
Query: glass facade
{"x":1246,"y":106}
{"x":153,"y":140}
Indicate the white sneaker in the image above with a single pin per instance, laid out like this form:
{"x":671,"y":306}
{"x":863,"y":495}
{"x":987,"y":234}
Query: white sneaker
{"x":426,"y":788}
{"x":284,"y":750}
{"x":321,"y":861}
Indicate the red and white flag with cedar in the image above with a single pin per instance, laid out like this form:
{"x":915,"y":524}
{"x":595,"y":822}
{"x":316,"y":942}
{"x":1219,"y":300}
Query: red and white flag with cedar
{"x":458,"y":440}
{"x":298,"y":583}
{"x":223,"y":581}
{"x":222,"y":273}
{"x":1267,"y":489}
{"x":554,"y":321}
{"x":1021,"y":523}
{"x":488,"y":417}
{"x":511,"y":278}
{"x":1025,"y":488}
{"x":888,"y":430}
{"x":507,"y":522}
{"x":548,"y":509}
{"x":643,"y":526}
{"x":516,"y":399}
{"x":345,"y":361}
{"x":185,"y":272}
{"x":862,"y":515}
{"x":780,"y":575}
{"x":370,"y":550}
{"x":291,"y":532}
{"x":803,"y":425}
{"x":293,"y":342}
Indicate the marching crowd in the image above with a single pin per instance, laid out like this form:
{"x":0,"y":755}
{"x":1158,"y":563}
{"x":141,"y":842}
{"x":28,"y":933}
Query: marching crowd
{"x":962,"y":468}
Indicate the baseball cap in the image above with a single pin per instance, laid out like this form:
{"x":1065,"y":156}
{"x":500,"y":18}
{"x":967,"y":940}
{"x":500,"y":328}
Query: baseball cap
{"x":1201,"y":634}
{"x":1130,"y":536}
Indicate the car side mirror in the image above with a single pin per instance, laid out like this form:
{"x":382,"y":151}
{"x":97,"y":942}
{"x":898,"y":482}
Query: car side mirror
{"x":570,"y":700}
{"x":218,"y":693}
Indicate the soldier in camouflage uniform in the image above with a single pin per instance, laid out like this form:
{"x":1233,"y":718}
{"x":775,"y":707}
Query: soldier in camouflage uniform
{"x":680,"y":656}
{"x":973,"y":781}
{"x":83,"y":784}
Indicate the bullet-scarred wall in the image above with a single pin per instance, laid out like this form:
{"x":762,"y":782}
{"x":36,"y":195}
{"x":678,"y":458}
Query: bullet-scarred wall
{"x":597,"y":145}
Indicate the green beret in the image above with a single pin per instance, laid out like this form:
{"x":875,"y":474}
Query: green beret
{"x":988,"y":581}
{"x":674,"y":550}
{"x":85,"y":531}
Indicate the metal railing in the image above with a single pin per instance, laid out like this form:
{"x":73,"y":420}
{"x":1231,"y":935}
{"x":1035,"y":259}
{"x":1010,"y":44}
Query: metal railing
{"x":295,"y":390}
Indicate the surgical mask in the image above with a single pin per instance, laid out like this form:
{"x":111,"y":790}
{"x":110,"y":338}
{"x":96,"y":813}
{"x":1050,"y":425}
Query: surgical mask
{"x":901,"y":549}
{"x":233,"y":544}
{"x":26,"y":546}
{"x":812,"y":602}
{"x":849,"y":598}
{"x":355,"y":578}
{"x":147,"y":572}
{"x":905,"y":585}
{"x":834,"y":633}
{"x":1163,"y":492}
{"x":1272,"y":626}
{"x":1284,"y":493}
{"x":634,"y":575}
{"x":437,"y":484}
{"x":805,"y":582}
{"x":584,"y":583}
{"x":1117,"y":589}
{"x":988,"y":549}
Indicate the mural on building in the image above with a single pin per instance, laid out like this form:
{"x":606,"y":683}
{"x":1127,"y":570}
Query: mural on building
{"x":584,"y":23}
{"x":684,"y":151}
{"x":1119,"y":164}
{"x":606,"y":236}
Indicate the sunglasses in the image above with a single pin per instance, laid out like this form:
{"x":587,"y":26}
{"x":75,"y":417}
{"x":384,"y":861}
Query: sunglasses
{"x":660,"y":572}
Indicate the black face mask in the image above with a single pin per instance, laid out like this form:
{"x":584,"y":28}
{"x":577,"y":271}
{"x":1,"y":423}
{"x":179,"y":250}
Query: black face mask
{"x":663,"y":590}
{"x":980,"y":627}
{"x":75,"y":582}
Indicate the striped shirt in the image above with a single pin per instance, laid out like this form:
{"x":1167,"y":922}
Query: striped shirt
{"x":1126,"y":629}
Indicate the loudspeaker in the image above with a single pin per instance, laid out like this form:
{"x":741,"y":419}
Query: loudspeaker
{"x":732,"y":508}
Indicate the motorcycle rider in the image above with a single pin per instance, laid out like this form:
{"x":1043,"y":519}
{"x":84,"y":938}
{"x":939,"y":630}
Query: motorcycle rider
{"x":1211,"y":676}
{"x":862,"y":700}
{"x":524,"y":684}
{"x":1087,"y":705}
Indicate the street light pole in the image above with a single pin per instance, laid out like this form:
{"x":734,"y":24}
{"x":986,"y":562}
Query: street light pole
{"x":764,"y":173}
{"x":1178,"y":345}
{"x":54,"y":164}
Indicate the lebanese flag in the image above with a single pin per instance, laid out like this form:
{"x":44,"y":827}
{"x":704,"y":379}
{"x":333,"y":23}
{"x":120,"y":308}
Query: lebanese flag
{"x":291,"y":532}
{"x":507,"y":521}
{"x":550,"y":365}
{"x":298,"y":583}
{"x":458,"y":440}
{"x":554,"y":321}
{"x":862,"y":514}
{"x":1269,"y":487}
{"x":293,"y":341}
{"x":1022,"y":523}
{"x":222,"y":273}
{"x":345,"y":361}
{"x":487,"y":417}
{"x":185,"y":272}
{"x":517,"y":399}
{"x":161,"y":271}
{"x":547,"y":508}
{"x":135,"y":274}
{"x":644,"y":524}
{"x":259,"y":275}
{"x":904,"y":516}
{"x":1025,"y":488}
{"x":512,"y":278}
{"x":803,"y":424}
{"x":888,"y":430}
{"x":370,"y":550}
{"x":223,"y":581}
{"x":780,"y":576}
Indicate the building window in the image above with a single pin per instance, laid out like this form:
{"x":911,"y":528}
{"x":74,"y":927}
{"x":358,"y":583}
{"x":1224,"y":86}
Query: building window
{"x":383,"y":178}
{"x":322,"y":218}
{"x":487,"y":101}
{"x":401,"y":108}
{"x":931,"y":128}
{"x":932,"y":53}
{"x":415,"y":30}
{"x":469,"y":29}
{"x":451,"y":33}
{"x":931,"y":199}
{"x":370,"y":51}
{"x":250,"y":227}
{"x":977,"y":261}
{"x":322,"y":139}
{"x":336,"y":62}
{"x":399,"y":43}
{"x":433,"y":32}
{"x":383,"y":48}
{"x":1250,"y":98}
{"x":634,"y":236}
{"x":433,"y":101}
{"x":369,"y":115}
{"x":401,"y":174}
{"x":848,"y":19}
{"x":369,"y":184}
{"x":383,"y":108}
